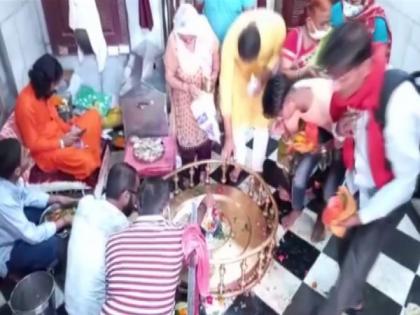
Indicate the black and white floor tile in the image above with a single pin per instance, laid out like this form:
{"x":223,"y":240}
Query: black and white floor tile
{"x":302,"y":273}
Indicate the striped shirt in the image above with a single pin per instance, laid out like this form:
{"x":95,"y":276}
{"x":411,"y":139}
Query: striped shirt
{"x":143,"y":266}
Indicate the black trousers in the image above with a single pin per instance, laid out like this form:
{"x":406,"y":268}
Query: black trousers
{"x":357,"y":254}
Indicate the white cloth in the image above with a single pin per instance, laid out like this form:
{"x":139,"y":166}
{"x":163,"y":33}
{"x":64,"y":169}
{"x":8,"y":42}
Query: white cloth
{"x":187,"y":21}
{"x":241,"y":137}
{"x":362,"y":174}
{"x":204,"y":112}
{"x":13,"y":222}
{"x":94,"y":222}
{"x":83,"y":14}
{"x":402,"y":139}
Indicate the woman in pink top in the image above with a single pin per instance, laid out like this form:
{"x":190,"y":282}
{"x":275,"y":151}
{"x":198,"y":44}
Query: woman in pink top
{"x":191,"y":63}
{"x":302,"y":42}
{"x":308,"y":101}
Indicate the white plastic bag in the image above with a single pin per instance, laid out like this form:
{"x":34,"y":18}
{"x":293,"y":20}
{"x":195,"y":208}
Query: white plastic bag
{"x":253,"y":85}
{"x":204,"y":112}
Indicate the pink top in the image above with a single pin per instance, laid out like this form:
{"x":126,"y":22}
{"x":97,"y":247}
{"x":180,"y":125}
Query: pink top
{"x":294,"y":50}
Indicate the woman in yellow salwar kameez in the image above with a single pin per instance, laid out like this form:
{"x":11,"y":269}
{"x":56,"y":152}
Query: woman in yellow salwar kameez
{"x":250,"y":54}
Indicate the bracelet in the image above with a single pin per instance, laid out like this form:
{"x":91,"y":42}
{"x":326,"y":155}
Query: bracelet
{"x":62,"y":146}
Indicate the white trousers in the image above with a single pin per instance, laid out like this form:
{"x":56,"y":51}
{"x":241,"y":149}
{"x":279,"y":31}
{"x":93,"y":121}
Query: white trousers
{"x":241,"y":136}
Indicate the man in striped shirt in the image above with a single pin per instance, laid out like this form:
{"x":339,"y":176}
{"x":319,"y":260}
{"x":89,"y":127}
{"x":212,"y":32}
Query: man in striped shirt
{"x":144,"y":262}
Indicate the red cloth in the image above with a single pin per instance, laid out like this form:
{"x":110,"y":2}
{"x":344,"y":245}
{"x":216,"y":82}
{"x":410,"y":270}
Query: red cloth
{"x":161,"y":167}
{"x":145,"y":14}
{"x":293,"y":49}
{"x":368,"y":16}
{"x":367,"y":98}
{"x":193,"y":241}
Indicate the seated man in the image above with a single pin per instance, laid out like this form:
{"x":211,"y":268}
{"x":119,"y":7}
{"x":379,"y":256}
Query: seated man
{"x":72,"y":148}
{"x":143,"y":279}
{"x":25,"y":246}
{"x":94,"y":222}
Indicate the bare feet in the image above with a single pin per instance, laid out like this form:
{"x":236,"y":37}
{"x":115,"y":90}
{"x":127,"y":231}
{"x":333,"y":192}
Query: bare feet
{"x":318,"y":233}
{"x":234,"y":175}
{"x":290,"y":219}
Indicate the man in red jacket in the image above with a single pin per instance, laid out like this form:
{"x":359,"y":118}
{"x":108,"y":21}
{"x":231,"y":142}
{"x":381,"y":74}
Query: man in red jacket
{"x":382,"y":156}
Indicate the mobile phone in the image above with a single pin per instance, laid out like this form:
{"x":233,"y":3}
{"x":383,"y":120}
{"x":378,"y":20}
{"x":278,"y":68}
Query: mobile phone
{"x":82,"y":132}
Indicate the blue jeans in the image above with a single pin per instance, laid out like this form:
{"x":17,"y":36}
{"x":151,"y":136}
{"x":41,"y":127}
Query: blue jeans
{"x":26,"y":258}
{"x":304,"y":171}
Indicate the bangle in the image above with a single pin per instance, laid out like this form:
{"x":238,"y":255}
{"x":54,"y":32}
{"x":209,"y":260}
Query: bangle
{"x":62,"y":146}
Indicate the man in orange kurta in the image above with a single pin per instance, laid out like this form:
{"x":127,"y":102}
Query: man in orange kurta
{"x":53,"y":142}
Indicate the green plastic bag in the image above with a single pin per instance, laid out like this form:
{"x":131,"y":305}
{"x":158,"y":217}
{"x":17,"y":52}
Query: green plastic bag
{"x":88,"y":98}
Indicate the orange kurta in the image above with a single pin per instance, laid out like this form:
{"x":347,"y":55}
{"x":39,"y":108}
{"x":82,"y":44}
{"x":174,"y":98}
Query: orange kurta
{"x":41,"y":129}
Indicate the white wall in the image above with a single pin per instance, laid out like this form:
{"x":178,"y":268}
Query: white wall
{"x":23,"y":36}
{"x":404,"y":17}
{"x":137,"y":35}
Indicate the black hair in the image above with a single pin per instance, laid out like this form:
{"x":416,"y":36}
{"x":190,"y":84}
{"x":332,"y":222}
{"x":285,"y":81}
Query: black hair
{"x":347,"y":47}
{"x":45,"y":71}
{"x":153,"y":196}
{"x":249,"y":43}
{"x":122,"y":177}
{"x":274,"y":95}
{"x":10,"y":157}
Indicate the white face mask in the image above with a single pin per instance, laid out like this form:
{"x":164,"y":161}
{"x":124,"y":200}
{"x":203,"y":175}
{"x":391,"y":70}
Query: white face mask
{"x":351,"y":10}
{"x":318,"y":34}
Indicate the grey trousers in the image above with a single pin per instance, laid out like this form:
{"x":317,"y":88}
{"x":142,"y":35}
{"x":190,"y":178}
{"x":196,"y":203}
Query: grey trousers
{"x":364,"y":246}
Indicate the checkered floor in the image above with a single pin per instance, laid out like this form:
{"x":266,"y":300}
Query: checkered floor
{"x":302,"y":273}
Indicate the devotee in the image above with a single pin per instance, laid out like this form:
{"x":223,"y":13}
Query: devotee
{"x":94,"y":222}
{"x":144,"y":262}
{"x":366,"y":11}
{"x":302,"y":43}
{"x":381,"y":150}
{"x":250,"y":55}
{"x":221,"y":13}
{"x":70,"y":147}
{"x":25,"y":245}
{"x":309,"y":101}
{"x":191,"y":61}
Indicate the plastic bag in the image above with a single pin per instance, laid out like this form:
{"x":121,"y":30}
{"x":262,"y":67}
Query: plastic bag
{"x":88,"y":98}
{"x":204,"y":112}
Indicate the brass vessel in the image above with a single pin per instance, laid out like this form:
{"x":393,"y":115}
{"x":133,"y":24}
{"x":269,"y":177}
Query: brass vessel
{"x":239,"y":261}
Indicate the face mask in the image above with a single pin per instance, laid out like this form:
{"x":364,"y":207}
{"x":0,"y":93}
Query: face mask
{"x":351,"y":10}
{"x":318,"y":34}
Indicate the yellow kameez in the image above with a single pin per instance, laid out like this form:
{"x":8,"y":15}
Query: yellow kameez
{"x":244,"y":110}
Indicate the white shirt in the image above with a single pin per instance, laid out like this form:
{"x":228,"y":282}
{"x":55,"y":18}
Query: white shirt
{"x":94,"y":222}
{"x":363,"y":178}
{"x":13,"y":222}
{"x":402,"y":141}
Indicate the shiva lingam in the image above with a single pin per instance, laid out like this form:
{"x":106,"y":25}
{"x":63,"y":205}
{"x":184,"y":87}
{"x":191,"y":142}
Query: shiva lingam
{"x":240,"y":228}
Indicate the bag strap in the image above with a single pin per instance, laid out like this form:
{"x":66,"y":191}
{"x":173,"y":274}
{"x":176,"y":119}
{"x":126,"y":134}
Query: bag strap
{"x":393,"y":79}
{"x":415,"y":78}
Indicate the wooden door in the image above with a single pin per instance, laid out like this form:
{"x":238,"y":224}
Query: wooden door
{"x":113,"y":17}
